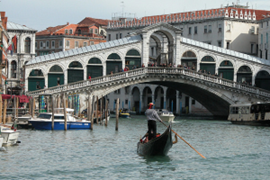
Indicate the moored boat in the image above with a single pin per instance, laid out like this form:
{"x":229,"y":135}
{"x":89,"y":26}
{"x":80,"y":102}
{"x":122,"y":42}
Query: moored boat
{"x":156,"y":146}
{"x":165,"y":115}
{"x":124,"y":113}
{"x":10,"y":136}
{"x":1,"y":141}
{"x":256,"y":114}
{"x":44,"y":121}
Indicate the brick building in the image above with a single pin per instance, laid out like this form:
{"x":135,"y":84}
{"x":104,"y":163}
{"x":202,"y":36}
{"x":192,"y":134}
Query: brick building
{"x":70,"y":36}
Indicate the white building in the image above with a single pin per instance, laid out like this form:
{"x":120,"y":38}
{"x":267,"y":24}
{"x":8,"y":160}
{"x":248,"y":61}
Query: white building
{"x":233,"y":27}
{"x":21,"y":50}
{"x":264,"y":32}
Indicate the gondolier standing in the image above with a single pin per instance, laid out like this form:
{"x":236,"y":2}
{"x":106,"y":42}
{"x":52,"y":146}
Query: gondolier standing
{"x":152,"y":118}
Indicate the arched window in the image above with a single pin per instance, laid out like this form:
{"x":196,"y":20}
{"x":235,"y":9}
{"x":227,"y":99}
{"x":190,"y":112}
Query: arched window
{"x":75,"y":64}
{"x":56,"y":68}
{"x":27,"y":45}
{"x":94,"y":61}
{"x":114,"y":56}
{"x":79,"y":31}
{"x":70,"y":31}
{"x":13,"y":69}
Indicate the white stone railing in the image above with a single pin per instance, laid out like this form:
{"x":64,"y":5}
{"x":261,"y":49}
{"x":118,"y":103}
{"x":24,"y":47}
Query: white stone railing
{"x":86,"y":84}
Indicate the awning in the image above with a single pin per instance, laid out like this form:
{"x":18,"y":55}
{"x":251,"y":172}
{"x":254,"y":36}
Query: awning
{"x":22,"y":98}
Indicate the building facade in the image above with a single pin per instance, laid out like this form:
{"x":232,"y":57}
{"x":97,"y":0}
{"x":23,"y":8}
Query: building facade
{"x":21,"y":49}
{"x":263,"y":38}
{"x":70,"y":36}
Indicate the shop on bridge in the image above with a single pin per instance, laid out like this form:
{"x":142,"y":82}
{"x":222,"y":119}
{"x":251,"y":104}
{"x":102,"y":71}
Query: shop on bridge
{"x":189,"y":60}
{"x":226,"y":70}
{"x":244,"y":75}
{"x":55,"y":76}
{"x":208,"y":64}
{"x":133,"y":58}
{"x":94,"y":68}
{"x":36,"y":80}
{"x":263,"y":80}
{"x":113,"y":63}
{"x":75,"y":72}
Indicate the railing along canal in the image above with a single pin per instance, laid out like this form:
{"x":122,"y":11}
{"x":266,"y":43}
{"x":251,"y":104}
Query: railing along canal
{"x":150,"y":70}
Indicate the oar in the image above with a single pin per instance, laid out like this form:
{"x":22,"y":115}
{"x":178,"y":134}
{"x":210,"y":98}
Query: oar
{"x":184,"y":141}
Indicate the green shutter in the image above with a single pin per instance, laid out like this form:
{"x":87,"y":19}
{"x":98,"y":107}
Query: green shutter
{"x":227,"y":73}
{"x":113,"y":66}
{"x":52,"y":79}
{"x":208,"y":67}
{"x":94,"y":71}
{"x":75,"y":75}
{"x":32,"y":83}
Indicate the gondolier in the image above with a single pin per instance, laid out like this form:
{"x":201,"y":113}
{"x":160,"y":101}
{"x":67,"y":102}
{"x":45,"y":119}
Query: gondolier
{"x":152,"y":117}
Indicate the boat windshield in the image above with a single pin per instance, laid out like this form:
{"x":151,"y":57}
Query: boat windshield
{"x":59,"y":117}
{"x":45,"y":116}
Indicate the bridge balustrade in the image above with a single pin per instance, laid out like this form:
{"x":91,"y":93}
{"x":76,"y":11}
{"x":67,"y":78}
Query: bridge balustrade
{"x":149,"y":70}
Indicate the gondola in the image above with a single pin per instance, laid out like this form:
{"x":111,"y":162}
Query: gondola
{"x":157,"y":146}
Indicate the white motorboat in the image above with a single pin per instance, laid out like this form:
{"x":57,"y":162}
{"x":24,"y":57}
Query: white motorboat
{"x":165,"y":115}
{"x":1,"y":141}
{"x":10,"y":136}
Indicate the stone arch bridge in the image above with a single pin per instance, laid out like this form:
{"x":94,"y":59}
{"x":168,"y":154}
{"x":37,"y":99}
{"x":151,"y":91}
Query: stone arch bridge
{"x":236,"y":73}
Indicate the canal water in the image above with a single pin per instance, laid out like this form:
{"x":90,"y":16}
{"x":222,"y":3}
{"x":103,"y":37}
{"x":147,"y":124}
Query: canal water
{"x":232,"y":152}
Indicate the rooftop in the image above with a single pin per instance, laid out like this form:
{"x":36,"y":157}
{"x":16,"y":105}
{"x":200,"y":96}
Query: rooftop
{"x":15,"y":26}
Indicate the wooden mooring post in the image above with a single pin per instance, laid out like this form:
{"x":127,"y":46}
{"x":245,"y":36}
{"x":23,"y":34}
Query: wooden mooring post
{"x":89,"y":110}
{"x":65,"y":111}
{"x":5,"y":111}
{"x":52,"y":112}
{"x":92,"y":114}
{"x":106,"y":112}
{"x":97,"y":111}
{"x":101,"y":110}
{"x":1,"y":109}
{"x":117,"y":114}
{"x":33,"y":107}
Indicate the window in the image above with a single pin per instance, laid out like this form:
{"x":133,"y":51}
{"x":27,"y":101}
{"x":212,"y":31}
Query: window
{"x":66,"y":31}
{"x":84,"y":44}
{"x":228,"y":45}
{"x":262,"y":25}
{"x":116,"y":36}
{"x":92,"y":43}
{"x":266,"y":54}
{"x":120,"y":36}
{"x":27,"y":45}
{"x":67,"y":43}
{"x":261,"y":38}
{"x":219,"y":44}
{"x":126,"y":101}
{"x":205,"y":29}
{"x":210,"y":28}
{"x":252,"y":48}
{"x":195,"y":30}
{"x":228,"y":27}
{"x":91,"y":31}
{"x":36,"y":45}
{"x":181,"y":31}
{"x":53,"y":44}
{"x":60,"y":43}
{"x":96,"y":31}
{"x":47,"y":44}
{"x":219,"y":28}
{"x":76,"y":44}
{"x":189,"y":30}
{"x":70,"y":31}
{"x":79,"y":31}
{"x":109,"y":37}
{"x":193,"y":101}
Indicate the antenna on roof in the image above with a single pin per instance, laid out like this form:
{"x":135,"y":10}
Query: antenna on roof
{"x":122,"y":8}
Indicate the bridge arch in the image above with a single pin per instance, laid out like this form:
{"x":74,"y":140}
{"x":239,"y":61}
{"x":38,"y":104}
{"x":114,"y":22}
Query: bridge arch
{"x":226,"y":70}
{"x":133,"y":59}
{"x":208,"y":64}
{"x":55,"y":76}
{"x":75,"y":72}
{"x":159,"y":97}
{"x":262,"y":80}
{"x":136,"y":94}
{"x":36,"y":80}
{"x":171,"y":99}
{"x":189,"y":59}
{"x":113,"y":63}
{"x":94,"y":67}
{"x":244,"y":75}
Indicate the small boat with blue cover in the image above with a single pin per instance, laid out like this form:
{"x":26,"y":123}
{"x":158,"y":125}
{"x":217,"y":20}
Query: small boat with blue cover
{"x":44,"y":121}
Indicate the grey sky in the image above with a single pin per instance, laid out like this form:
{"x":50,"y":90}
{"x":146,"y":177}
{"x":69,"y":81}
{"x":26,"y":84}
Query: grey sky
{"x":40,"y":14}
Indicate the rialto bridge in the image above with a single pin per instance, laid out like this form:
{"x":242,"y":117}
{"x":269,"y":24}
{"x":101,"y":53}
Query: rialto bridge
{"x":239,"y":77}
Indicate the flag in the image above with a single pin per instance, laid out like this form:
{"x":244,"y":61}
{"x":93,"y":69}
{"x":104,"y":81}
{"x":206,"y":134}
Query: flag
{"x":14,"y":42}
{"x":10,"y":47}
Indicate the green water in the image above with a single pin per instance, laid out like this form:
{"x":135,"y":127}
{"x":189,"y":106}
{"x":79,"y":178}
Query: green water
{"x":232,"y":152}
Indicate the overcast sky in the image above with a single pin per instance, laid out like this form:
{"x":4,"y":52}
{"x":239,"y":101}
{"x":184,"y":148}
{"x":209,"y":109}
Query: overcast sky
{"x":40,"y":14}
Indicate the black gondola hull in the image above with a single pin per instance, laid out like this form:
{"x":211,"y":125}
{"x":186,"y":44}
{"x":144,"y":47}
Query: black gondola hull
{"x":157,"y":146}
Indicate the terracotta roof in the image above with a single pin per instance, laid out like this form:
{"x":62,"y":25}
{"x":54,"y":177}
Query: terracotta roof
{"x":230,"y":12}
{"x":50,"y":30}
{"x":89,"y":20}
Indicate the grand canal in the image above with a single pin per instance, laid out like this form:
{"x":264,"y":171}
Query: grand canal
{"x":232,"y":152}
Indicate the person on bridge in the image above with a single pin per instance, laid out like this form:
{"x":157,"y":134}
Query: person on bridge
{"x":152,"y":117}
